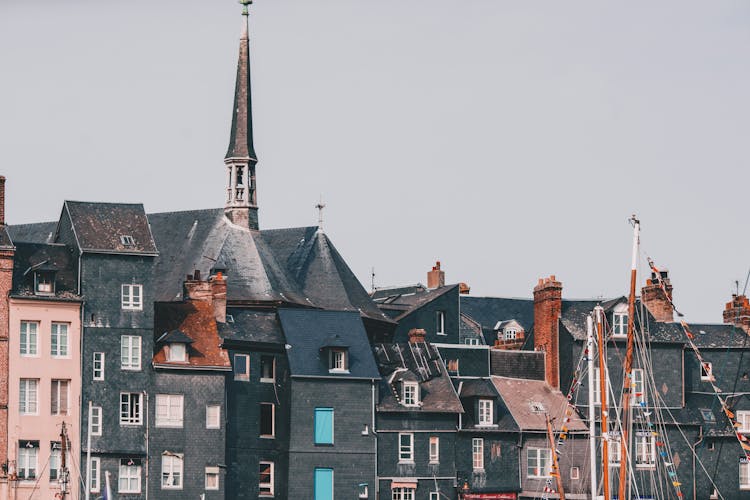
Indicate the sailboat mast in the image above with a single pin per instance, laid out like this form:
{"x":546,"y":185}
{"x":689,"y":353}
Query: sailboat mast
{"x":63,"y":462}
{"x":555,"y":465}
{"x":627,"y":380}
{"x":592,"y":409}
{"x":599,"y":312}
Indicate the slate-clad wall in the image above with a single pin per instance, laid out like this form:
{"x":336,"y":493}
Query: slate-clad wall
{"x":473,"y":361}
{"x":245,"y":447}
{"x":424,"y":317}
{"x":728,"y":367}
{"x":574,"y":453}
{"x":446,"y":488}
{"x":500,"y":461}
{"x":201,"y":447}
{"x":352,"y":456}
{"x":722,"y":464}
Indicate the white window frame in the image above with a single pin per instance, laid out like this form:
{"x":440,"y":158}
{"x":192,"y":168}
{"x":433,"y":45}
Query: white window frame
{"x":94,"y":473}
{"x":434,"y":449}
{"x":97,"y":367}
{"x":129,"y":300}
{"x":639,"y":385}
{"x":471,"y":341}
{"x":645,"y":451}
{"x":96,"y":421}
{"x":177,"y":353}
{"x":128,"y":359}
{"x":402,"y":494}
{"x":129,"y":473}
{"x":29,"y":338}
{"x":170,"y":409}
{"x":485,"y":413}
{"x":266,"y":488}
{"x":56,"y":387}
{"x":440,"y":323}
{"x":575,"y":473}
{"x":44,"y":283}
{"x":212,"y":472}
{"x":28,"y":405}
{"x":172,"y":465}
{"x":744,"y":478}
{"x":510,"y":334}
{"x":538,"y":456}
{"x":54,"y":461}
{"x":406,"y":451}
{"x":244,"y":376}
{"x":59,"y":339}
{"x":477,"y":454}
{"x":338,"y":362}
{"x":743,"y":418}
{"x":127,"y":401}
{"x":210,"y":424}
{"x":620,"y":322}
{"x":26,"y":455}
{"x":707,"y":372}
{"x":410,"y":393}
{"x":614,"y":450}
{"x":434,"y":495}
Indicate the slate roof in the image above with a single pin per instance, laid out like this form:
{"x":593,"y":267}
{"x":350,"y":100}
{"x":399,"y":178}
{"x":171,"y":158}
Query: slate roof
{"x":251,"y":325}
{"x":487,"y":311}
{"x":307,"y":330}
{"x":40,"y":232}
{"x":195,"y":320}
{"x":517,"y":364}
{"x":477,"y":388}
{"x":518,"y":394}
{"x":5,"y":239}
{"x":174,"y":337}
{"x":241,"y":135}
{"x":387,"y":294}
{"x":33,"y":256}
{"x":719,"y":336}
{"x":419,"y":362}
{"x":99,"y":227}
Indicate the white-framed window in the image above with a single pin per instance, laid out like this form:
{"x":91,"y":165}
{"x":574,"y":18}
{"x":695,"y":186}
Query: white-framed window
{"x":575,"y":473}
{"x":267,"y":368}
{"x":44,"y":282}
{"x":485,"y":412}
{"x":743,"y":418}
{"x":402,"y":494}
{"x":411,"y":394}
{"x":510,"y":334}
{"x":171,"y":471}
{"x":212,"y":478}
{"x":129,"y":476}
{"x":405,"y":447}
{"x":130,"y":352}
{"x":177,"y":353}
{"x":620,"y":321}
{"x":440,"y":322}
{"x":54,"y":461}
{"x":744,"y":474}
{"x":337,"y":361}
{"x":241,"y":367}
{"x":265,"y":479}
{"x":59,"y":340}
{"x":29,"y":396}
{"x":94,"y":474}
{"x":29,"y":338}
{"x":132,"y":297}
{"x":707,"y":373}
{"x":28,"y":458}
{"x":130,"y":408}
{"x":471,"y":341}
{"x":98,"y":366}
{"x":434,"y":495}
{"x":645,"y":451}
{"x":213,"y":416}
{"x":59,"y":397}
{"x":96,"y":420}
{"x":614,"y":450}
{"x":267,"y":420}
{"x":169,"y":410}
{"x":538,"y":462}
{"x":364,"y":490}
{"x":477,"y":453}
{"x":434,"y":449}
{"x":639,"y":385}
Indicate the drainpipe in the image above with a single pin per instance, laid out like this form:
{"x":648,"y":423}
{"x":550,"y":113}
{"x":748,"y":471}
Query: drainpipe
{"x":375,"y":433}
{"x":148,"y":462}
{"x":694,"y":446}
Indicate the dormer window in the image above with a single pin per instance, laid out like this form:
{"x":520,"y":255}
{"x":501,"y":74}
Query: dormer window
{"x":510,"y":334}
{"x":177,"y":353}
{"x":175,"y":345}
{"x":485,"y":412}
{"x":620,"y":321}
{"x":127,"y":240}
{"x":410,"y":394}
{"x":337,"y":361}
{"x":44,"y":282}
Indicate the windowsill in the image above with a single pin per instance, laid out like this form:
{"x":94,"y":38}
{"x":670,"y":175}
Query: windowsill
{"x":172,"y":488}
{"x":334,"y":371}
{"x":268,"y":380}
{"x":645,"y":466}
{"x":29,"y":414}
{"x":485,"y":426}
{"x":538,"y":477}
{"x":60,"y":357}
{"x":441,"y":333}
{"x":213,"y":427}
{"x":168,"y":426}
{"x":129,"y":492}
{"x":434,"y":462}
{"x":29,"y":355}
{"x":267,"y":436}
{"x":242,"y":379}
{"x":265,"y":495}
{"x":412,"y":406}
{"x":127,"y":424}
{"x":406,"y":462}
{"x":478,"y":471}
{"x":130,"y":369}
{"x":133,"y":309}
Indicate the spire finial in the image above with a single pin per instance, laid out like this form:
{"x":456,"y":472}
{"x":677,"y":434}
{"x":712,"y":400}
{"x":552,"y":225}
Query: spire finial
{"x":245,"y":3}
{"x":320,"y":206}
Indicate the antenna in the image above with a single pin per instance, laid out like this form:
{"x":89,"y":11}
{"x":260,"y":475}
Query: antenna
{"x":320,"y":206}
{"x":372,"y":275}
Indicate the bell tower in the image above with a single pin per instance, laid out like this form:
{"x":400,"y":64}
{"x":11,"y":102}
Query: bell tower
{"x":241,"y":202}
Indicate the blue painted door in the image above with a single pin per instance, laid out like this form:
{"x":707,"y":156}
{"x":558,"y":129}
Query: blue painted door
{"x":323,"y":484}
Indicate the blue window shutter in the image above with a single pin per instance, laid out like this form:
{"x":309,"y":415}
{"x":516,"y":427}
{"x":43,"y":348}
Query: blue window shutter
{"x":323,"y":425}
{"x":323,"y":484}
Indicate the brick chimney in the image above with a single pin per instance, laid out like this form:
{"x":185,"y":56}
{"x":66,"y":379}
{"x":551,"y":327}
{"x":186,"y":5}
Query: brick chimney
{"x":2,"y":200}
{"x":219,"y":297}
{"x":435,"y":277}
{"x":653,"y":296}
{"x":737,"y":312}
{"x":547,"y":309}
{"x":7,"y":253}
{"x":416,"y":335}
{"x":196,"y":289}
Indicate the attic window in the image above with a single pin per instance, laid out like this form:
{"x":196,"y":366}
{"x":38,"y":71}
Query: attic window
{"x":44,"y":282}
{"x":707,"y":415}
{"x":537,"y":407}
{"x":337,"y":362}
{"x":127,"y":240}
{"x":707,"y":372}
{"x":510,"y":334}
{"x":410,"y":394}
{"x":177,"y":352}
{"x":620,"y":321}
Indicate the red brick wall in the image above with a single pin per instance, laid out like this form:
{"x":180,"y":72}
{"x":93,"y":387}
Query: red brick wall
{"x":737,"y":312}
{"x":547,"y":308}
{"x":657,"y":302}
{"x":6,"y":278}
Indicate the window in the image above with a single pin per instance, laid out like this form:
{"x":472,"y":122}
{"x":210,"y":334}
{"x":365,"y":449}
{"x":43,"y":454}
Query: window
{"x":59,"y":403}
{"x":537,"y":407}
{"x":98,"y":366}
{"x":403,"y":494}
{"x":177,"y":352}
{"x":440,"y":322}
{"x":59,"y":340}
{"x":267,"y":420}
{"x":169,"y":410}
{"x":707,"y":415}
{"x":241,"y":367}
{"x":130,"y":352}
{"x":54,"y":461}
{"x":405,"y":447}
{"x":614,"y":450}
{"x":96,"y":420}
{"x":213,"y":417}
{"x":620,"y":322}
{"x":715,"y":492}
{"x":94,"y":474}
{"x":707,"y":372}
{"x":212,"y":478}
{"x":267,"y":368}
{"x":743,"y":418}
{"x":265,"y":479}
{"x":639,"y":385}
{"x":132,"y":297}
{"x":451,"y":365}
{"x":538,"y":462}
{"x":29,"y":334}
{"x":337,"y":361}
{"x":471,"y":341}
{"x":28,"y":455}
{"x":28,"y":403}
{"x":323,"y":425}
{"x":510,"y":334}
{"x":434,"y":449}
{"x":744,"y":474}
{"x":485,"y":412}
{"x":434,"y":495}
{"x":130,"y":408}
{"x":477,"y":453}
{"x":127,"y":240}
{"x":411,"y":394}
{"x":575,"y":473}
{"x":129,"y":477}
{"x":645,"y":450}
{"x":45,"y":282}
{"x":171,"y":471}
{"x":364,"y":491}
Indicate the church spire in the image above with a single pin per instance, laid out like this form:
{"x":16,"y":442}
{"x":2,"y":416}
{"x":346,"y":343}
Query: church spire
{"x":241,"y":206}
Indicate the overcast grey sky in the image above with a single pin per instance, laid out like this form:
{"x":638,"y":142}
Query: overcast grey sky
{"x":510,"y":140}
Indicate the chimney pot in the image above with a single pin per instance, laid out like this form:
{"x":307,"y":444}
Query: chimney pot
{"x":2,"y":200}
{"x":435,"y":277}
{"x":417,"y":335}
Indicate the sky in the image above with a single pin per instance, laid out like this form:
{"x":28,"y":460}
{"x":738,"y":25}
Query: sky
{"x":509,"y":140}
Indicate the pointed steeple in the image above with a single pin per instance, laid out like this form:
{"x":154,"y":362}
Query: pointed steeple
{"x":242,"y":206}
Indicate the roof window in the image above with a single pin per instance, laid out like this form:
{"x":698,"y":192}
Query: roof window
{"x":537,"y":407}
{"x":44,"y":282}
{"x":127,"y":240}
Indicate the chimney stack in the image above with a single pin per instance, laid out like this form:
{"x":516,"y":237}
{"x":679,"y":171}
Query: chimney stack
{"x":416,"y":335}
{"x":435,"y":277}
{"x":219,"y":296}
{"x":2,"y":200}
{"x":737,"y":312}
{"x":656,"y":301}
{"x":547,"y":310}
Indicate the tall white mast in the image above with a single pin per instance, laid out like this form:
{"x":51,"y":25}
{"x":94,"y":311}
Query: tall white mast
{"x":88,"y":455}
{"x":592,"y":409}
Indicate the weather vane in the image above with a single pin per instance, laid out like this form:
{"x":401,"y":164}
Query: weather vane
{"x":320,"y":206}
